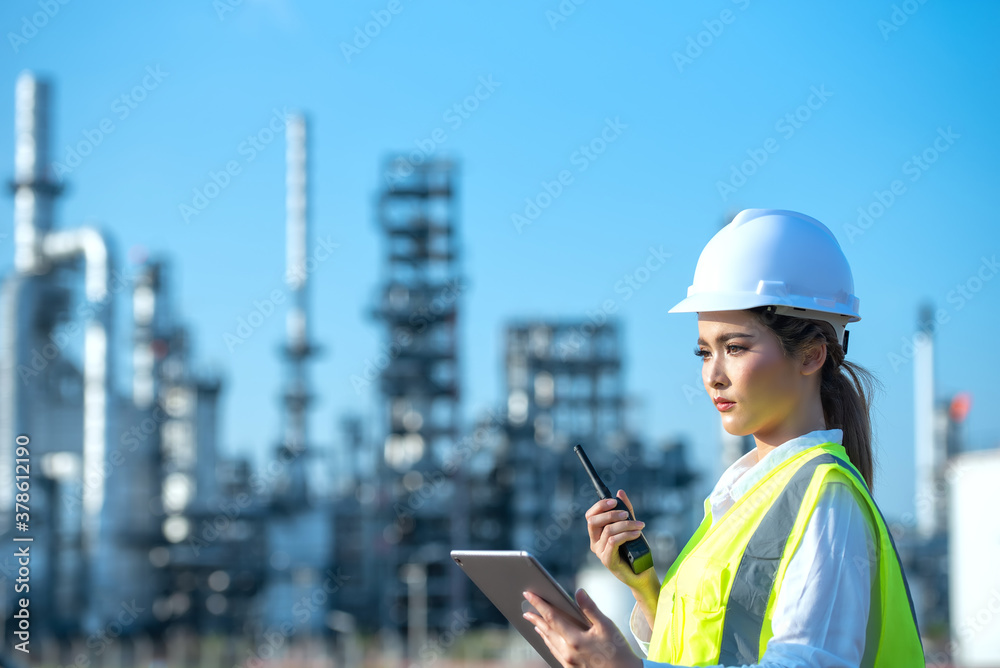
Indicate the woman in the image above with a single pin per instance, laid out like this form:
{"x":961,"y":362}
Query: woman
{"x":793,"y":564}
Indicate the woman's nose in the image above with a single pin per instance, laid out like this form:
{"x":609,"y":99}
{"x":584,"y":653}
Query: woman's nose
{"x":714,"y":373}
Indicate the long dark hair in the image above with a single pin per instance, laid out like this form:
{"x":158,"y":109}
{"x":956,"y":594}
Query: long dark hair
{"x":846,"y":388}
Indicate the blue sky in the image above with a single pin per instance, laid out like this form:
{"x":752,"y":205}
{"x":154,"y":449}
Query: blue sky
{"x":884,"y":80}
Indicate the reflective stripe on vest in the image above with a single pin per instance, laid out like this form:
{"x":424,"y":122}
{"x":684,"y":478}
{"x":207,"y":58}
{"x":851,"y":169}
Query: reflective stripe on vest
{"x":754,"y":578}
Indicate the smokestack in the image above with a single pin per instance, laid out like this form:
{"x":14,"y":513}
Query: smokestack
{"x":34,"y":191}
{"x":296,"y":231}
{"x":929,"y":455}
{"x":298,"y":349}
{"x":296,"y":228}
{"x":149,"y":306}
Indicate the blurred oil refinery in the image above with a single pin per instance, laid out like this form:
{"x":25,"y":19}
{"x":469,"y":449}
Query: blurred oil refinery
{"x":142,"y":529}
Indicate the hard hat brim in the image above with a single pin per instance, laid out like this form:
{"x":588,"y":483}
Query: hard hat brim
{"x":739,"y":301}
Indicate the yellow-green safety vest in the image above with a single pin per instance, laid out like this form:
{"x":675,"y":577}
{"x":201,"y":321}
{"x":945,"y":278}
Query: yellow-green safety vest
{"x":716,"y":603}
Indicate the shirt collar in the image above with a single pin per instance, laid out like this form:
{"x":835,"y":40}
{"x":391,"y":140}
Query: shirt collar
{"x":746,"y":471}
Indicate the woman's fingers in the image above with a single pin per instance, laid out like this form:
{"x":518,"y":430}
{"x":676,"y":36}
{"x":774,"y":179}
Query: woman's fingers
{"x":624,"y":497}
{"x":609,"y":528}
{"x":593,"y":515}
{"x":597,"y":523}
{"x":616,"y":540}
{"x":553,"y":619}
{"x":624,"y":537}
{"x":613,"y":531}
{"x":622,"y":527}
{"x":602,"y":514}
{"x":600,"y":507}
{"x":553,"y":642}
{"x":608,"y":549}
{"x":600,"y":547}
{"x":542,"y":629}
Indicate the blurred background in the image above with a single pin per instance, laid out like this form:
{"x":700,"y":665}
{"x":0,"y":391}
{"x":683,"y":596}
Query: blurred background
{"x":298,"y":297}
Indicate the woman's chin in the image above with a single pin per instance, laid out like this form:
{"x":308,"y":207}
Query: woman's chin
{"x":734,"y":426}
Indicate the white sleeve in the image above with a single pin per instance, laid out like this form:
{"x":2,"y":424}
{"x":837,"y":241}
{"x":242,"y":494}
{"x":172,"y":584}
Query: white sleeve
{"x":640,"y":629}
{"x":821,"y":611}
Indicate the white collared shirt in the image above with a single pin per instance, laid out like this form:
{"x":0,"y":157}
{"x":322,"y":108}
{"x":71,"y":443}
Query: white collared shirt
{"x":821,"y":609}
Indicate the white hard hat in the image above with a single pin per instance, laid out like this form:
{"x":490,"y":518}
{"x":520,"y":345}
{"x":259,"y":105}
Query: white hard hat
{"x":775,"y":257}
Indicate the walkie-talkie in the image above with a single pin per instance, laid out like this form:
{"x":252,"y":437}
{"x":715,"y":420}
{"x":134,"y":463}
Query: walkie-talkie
{"x":636,"y":551}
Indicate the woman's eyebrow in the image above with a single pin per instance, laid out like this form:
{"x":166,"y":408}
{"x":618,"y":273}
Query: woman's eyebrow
{"x":725,"y":337}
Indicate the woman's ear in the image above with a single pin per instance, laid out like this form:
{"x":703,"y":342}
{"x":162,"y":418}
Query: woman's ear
{"x":814,"y":357}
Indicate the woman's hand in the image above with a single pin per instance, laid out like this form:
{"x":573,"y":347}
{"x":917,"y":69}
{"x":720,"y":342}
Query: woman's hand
{"x":608,"y":530}
{"x":600,"y":645}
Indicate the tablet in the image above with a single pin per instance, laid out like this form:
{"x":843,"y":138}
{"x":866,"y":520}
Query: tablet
{"x":502,"y":575}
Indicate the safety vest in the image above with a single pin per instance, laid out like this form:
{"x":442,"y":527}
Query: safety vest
{"x":716,"y":603}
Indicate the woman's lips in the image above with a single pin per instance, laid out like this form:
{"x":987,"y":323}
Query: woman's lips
{"x":724,"y":405}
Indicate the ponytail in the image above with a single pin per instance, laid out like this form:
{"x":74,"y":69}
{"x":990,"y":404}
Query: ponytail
{"x":846,"y":388}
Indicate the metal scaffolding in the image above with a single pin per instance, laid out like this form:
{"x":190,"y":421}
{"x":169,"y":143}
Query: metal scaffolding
{"x":420,"y":389}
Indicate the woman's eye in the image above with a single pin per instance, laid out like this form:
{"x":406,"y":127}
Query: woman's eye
{"x":731,"y":348}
